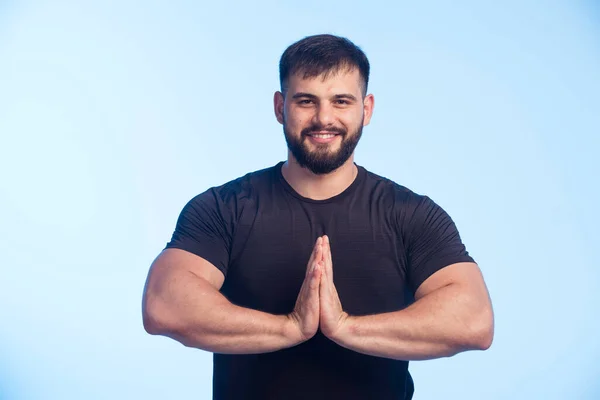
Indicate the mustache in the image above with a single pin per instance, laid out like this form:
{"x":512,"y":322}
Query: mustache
{"x":318,"y":128}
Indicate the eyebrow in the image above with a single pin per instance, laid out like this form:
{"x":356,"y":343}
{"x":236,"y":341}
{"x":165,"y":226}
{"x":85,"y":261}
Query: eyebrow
{"x":345,"y":96}
{"x":312,"y":96}
{"x":302,"y":94}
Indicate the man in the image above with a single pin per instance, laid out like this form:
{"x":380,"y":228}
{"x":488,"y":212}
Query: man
{"x":315,"y":278}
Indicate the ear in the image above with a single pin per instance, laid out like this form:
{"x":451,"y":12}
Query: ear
{"x":278,"y":101}
{"x":368,"y":105}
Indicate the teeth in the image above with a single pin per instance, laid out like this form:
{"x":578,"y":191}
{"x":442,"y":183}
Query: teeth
{"x":327,"y":136}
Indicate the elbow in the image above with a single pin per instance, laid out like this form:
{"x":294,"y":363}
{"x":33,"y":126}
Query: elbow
{"x":476,"y":333}
{"x":150,"y":323}
{"x":482,"y":331}
{"x":153,"y":316}
{"x":159,"y":319}
{"x":482,"y":340}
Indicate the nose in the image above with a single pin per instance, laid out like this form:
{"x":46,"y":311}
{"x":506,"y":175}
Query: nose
{"x":324,"y":115}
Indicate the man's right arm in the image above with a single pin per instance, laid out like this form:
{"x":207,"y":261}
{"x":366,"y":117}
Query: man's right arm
{"x":182,"y":301}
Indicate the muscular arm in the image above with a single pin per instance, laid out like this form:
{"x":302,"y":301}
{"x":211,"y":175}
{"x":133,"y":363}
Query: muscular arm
{"x":182,"y":301}
{"x":452,"y":313}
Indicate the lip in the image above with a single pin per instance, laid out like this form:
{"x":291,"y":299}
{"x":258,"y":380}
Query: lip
{"x":324,"y":133}
{"x":322,"y":140}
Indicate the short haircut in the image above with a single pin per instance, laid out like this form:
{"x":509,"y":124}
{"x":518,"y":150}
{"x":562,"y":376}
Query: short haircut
{"x":322,"y":55}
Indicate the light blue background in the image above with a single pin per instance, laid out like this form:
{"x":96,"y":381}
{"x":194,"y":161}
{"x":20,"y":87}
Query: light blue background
{"x":114,"y":114}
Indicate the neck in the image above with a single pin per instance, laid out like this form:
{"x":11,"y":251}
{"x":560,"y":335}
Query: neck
{"x":319,"y":187}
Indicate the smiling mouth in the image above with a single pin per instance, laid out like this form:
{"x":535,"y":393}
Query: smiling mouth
{"x":320,"y":135}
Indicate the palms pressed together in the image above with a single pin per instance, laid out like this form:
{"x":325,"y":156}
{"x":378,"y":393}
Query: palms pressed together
{"x":318,"y":304}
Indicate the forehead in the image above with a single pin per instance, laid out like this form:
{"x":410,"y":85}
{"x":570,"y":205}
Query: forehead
{"x":341,"y":81}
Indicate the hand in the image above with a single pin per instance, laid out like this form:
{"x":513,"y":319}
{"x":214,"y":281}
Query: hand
{"x":332,"y":316}
{"x":305,"y":317}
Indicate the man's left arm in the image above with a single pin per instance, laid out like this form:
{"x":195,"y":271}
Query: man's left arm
{"x":452,"y":313}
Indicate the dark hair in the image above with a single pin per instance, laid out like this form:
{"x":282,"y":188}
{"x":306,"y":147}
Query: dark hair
{"x":322,"y":54}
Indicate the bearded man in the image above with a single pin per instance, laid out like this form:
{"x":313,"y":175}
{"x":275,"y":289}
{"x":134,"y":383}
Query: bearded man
{"x":316,"y":278}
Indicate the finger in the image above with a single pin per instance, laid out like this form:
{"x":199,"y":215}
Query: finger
{"x":319,"y":252}
{"x":322,"y":272}
{"x":328,"y":260}
{"x":325,"y":274}
{"x":311,"y":282}
{"x":315,"y":277}
{"x":323,"y":288}
{"x":310,"y":297}
{"x":324,"y":245}
{"x":313,"y":256}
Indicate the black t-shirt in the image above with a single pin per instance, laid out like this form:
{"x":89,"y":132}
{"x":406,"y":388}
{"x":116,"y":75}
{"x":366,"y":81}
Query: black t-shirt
{"x":385,"y":241}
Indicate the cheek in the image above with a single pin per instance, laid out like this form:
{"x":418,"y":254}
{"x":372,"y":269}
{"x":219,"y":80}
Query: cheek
{"x":358,"y":118}
{"x":296,"y":120}
{"x":351,"y":120}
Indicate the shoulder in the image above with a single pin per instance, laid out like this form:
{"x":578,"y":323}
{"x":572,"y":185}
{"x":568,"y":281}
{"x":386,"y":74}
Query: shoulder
{"x":409,"y":210}
{"x":399,"y":196}
{"x":235,"y":193}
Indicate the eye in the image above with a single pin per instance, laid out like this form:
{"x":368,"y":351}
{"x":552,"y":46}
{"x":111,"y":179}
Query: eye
{"x":305,"y":101}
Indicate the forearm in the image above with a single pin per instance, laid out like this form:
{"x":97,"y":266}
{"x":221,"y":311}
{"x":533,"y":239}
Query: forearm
{"x":441,"y":324}
{"x":197,"y":315}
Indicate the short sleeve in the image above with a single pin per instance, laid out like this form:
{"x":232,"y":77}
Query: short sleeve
{"x":204,"y":228}
{"x":433,"y":241}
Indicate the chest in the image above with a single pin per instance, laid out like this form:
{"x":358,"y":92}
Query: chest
{"x":273,"y":244}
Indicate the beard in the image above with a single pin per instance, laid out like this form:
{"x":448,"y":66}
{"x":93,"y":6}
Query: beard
{"x":322,"y":160}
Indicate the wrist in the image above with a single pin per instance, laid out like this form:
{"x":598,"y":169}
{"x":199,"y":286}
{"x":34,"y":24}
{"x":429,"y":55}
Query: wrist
{"x":343,"y":330}
{"x":291,"y":330}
